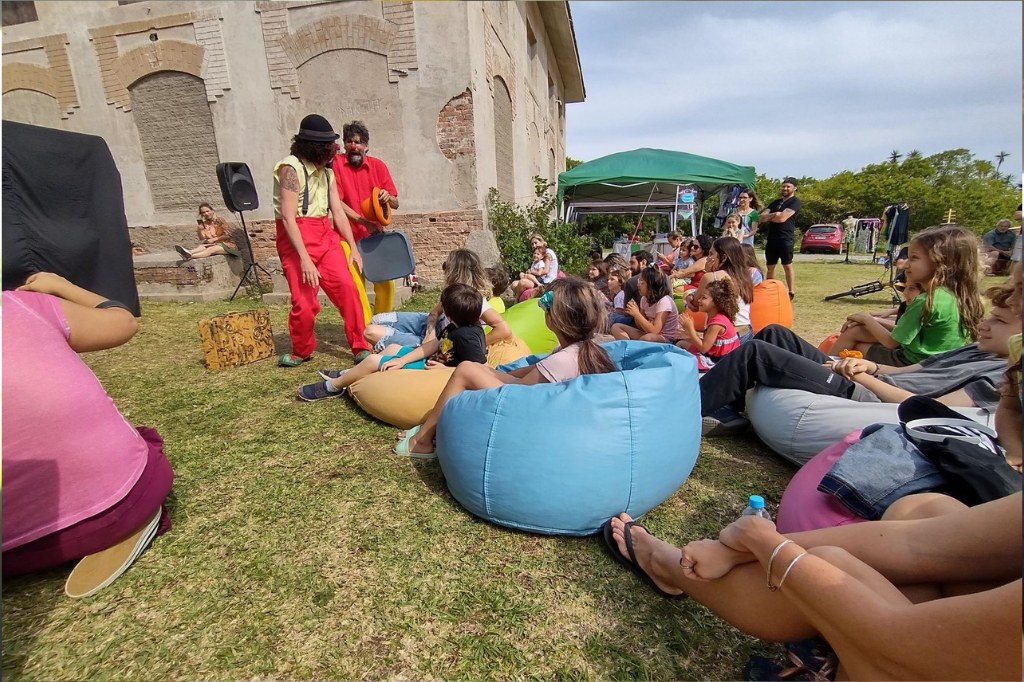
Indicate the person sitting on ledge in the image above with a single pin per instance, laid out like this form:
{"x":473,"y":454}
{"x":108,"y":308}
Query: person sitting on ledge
{"x":215,"y":235}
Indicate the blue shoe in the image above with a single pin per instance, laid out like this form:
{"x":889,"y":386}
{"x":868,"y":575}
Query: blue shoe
{"x":317,"y":391}
{"x":724,"y":421}
{"x":329,"y":374}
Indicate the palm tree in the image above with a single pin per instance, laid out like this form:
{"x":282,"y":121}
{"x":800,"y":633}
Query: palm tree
{"x":895,"y":156}
{"x":914,"y":154}
{"x":1000,"y":157}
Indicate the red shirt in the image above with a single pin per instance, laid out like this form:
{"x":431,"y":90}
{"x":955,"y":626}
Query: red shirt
{"x":356,"y":184}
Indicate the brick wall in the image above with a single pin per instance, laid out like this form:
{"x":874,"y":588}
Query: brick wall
{"x":455,"y":127}
{"x":433,"y":235}
{"x":179,"y":276}
{"x":178,"y":143}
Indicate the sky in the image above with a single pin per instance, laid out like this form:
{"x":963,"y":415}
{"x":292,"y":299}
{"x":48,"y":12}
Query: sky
{"x":799,"y":88}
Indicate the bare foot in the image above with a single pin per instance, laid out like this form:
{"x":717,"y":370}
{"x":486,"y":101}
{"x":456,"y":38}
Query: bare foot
{"x":656,"y":557}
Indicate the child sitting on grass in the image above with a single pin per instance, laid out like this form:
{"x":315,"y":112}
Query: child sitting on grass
{"x":720,"y":303}
{"x":616,"y":282}
{"x":461,"y":341}
{"x":597,"y":274}
{"x":656,"y":319}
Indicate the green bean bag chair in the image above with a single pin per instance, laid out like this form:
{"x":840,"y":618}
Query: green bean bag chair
{"x":526,"y":320}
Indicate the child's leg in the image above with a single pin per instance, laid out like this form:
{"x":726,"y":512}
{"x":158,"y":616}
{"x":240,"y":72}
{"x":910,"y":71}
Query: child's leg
{"x":849,"y":339}
{"x":468,"y":376}
{"x":392,"y":349}
{"x":655,"y":338}
{"x":369,"y":365}
{"x":207,"y":250}
{"x":625,"y":332}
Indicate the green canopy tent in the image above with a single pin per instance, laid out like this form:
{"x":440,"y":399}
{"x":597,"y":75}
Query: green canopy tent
{"x":644,"y":181}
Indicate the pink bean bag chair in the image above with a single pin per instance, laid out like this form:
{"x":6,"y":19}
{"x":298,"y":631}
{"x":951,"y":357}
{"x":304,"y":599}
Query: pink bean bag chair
{"x":803,"y":507}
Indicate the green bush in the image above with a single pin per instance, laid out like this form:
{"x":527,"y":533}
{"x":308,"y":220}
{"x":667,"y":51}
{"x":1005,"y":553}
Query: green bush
{"x":513,"y":224}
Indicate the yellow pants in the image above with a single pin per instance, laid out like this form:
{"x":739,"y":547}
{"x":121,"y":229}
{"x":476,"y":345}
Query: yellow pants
{"x":383,"y":292}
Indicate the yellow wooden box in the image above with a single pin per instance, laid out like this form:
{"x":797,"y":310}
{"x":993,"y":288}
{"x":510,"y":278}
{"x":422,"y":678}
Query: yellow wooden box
{"x":235,"y":339}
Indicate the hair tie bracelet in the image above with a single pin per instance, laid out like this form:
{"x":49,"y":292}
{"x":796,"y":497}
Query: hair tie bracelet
{"x":546,"y":300}
{"x":111,"y":303}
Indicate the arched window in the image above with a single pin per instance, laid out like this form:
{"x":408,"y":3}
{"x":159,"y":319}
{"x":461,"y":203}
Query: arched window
{"x":503,"y":137}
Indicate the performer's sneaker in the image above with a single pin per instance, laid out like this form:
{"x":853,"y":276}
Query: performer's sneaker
{"x":292,"y":360}
{"x":317,"y":391}
{"x":329,"y":374}
{"x":362,"y":355}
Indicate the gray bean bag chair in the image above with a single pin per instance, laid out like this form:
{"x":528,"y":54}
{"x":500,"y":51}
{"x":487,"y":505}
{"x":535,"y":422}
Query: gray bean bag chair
{"x":798,"y":425}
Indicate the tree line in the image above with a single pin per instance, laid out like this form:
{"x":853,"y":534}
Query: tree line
{"x":973,"y":188}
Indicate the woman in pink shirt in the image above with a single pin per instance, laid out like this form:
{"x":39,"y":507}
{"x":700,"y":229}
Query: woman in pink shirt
{"x":573,"y":310}
{"x":78,"y":478}
{"x":656,"y":318}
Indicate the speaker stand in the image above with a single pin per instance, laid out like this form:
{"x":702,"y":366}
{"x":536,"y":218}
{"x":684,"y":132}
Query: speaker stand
{"x":253,"y":265}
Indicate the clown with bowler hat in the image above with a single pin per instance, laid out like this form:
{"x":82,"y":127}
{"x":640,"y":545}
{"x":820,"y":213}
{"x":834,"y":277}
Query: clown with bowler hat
{"x":305,"y":190}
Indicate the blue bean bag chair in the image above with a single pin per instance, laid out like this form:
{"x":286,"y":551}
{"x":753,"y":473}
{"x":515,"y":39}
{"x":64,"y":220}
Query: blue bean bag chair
{"x":560,"y":459}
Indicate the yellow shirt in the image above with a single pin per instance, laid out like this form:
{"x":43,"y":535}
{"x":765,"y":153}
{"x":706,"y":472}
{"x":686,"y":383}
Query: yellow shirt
{"x":320,"y":183}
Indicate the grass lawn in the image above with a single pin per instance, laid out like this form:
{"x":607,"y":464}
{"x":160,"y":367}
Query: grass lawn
{"x":302,"y":548}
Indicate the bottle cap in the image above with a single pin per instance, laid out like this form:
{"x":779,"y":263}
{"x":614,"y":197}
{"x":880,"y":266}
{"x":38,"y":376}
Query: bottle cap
{"x":756,"y":502}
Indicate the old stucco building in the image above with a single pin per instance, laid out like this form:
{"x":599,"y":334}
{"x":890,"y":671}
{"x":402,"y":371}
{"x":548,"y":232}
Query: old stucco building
{"x":458,"y":97}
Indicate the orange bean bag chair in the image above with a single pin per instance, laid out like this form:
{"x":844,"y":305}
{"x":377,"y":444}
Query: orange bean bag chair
{"x":771,"y":305}
{"x":826,"y":345}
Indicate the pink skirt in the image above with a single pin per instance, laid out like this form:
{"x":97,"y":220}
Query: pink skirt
{"x":107,"y":528}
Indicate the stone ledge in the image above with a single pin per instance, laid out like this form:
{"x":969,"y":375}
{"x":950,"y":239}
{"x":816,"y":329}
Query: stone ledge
{"x":165,"y":277}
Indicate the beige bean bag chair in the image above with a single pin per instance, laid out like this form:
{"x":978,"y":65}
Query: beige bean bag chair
{"x":404,"y":397}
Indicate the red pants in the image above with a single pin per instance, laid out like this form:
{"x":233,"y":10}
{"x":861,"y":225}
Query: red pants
{"x":322,"y":245}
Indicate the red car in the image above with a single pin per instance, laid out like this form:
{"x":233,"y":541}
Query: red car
{"x":825,"y":238}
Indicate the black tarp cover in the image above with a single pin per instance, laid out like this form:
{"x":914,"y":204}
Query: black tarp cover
{"x":63,"y":212}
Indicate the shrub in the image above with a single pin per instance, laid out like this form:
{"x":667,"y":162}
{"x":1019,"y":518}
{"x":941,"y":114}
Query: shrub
{"x":513,"y":224}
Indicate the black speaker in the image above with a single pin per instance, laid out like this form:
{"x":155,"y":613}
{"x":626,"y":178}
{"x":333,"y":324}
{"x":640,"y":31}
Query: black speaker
{"x":237,"y":187}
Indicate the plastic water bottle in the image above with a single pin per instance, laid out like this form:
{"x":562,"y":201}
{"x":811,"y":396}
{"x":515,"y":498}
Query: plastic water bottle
{"x":755,"y":507}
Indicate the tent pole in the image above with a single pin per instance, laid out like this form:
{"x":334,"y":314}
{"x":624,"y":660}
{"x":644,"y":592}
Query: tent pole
{"x":699,"y":227}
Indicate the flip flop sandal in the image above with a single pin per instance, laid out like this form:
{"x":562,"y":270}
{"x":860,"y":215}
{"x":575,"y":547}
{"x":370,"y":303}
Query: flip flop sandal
{"x":402,"y":448}
{"x":631,"y":562}
{"x":98,"y":570}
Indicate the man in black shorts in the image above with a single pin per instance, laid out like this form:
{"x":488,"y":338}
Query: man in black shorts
{"x":781,"y":221}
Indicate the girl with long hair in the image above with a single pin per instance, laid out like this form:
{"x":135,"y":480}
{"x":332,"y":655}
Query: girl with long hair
{"x":573,"y":310}
{"x":728,"y":261}
{"x":412,"y":329}
{"x":656,"y":318}
{"x":215,"y":236}
{"x":944,"y":262}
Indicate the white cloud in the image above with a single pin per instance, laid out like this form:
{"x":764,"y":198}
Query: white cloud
{"x":824,"y":87}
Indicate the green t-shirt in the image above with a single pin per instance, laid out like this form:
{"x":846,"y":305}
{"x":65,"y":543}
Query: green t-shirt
{"x":940,"y":334}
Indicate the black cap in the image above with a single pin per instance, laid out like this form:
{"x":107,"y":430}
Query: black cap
{"x":789,"y":181}
{"x":316,"y":128}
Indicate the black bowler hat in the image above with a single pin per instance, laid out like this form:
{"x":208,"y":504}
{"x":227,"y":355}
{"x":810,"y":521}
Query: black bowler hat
{"x":316,"y":128}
